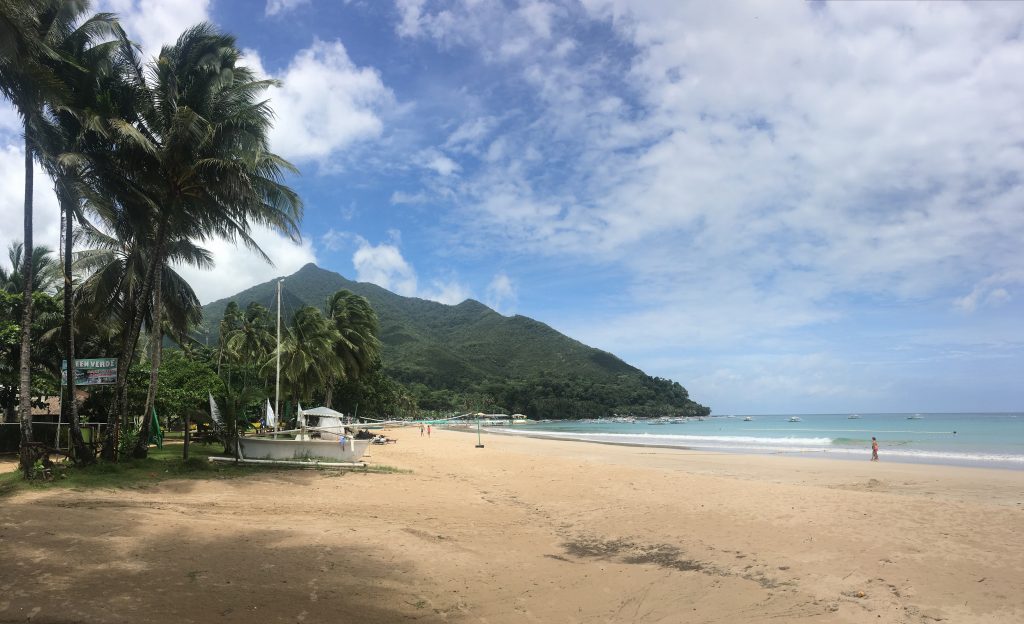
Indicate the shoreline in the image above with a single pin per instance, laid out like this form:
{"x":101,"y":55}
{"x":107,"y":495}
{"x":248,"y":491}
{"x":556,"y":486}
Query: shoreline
{"x":812,"y":454}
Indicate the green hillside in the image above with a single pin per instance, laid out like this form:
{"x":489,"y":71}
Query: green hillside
{"x":471,"y":348}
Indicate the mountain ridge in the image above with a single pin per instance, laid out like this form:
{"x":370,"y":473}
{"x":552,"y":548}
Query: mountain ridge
{"x":455,"y":347}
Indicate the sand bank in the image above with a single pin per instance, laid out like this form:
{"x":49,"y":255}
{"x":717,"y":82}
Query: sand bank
{"x":528,"y":531}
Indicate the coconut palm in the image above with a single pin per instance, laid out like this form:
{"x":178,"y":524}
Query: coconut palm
{"x":73,"y":135}
{"x":252,"y":341}
{"x":357,"y":346}
{"x":44,"y":270}
{"x":33,"y":32}
{"x":308,"y":360}
{"x":195,"y":165}
{"x":199,"y":164}
{"x":115,"y":268}
{"x":231,"y":321}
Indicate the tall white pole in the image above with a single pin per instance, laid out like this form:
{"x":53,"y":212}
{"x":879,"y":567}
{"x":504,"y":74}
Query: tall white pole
{"x":277,"y":383}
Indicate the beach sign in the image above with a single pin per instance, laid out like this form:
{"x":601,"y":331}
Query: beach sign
{"x":91,"y":372}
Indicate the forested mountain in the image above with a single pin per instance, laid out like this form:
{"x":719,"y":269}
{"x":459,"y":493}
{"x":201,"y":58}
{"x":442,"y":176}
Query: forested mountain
{"x":509,"y":363}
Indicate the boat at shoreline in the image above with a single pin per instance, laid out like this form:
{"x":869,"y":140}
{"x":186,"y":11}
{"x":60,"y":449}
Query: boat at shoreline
{"x":348,"y":449}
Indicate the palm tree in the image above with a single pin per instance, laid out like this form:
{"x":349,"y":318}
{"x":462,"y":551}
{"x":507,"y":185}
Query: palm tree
{"x":199,"y":165}
{"x":44,"y":270}
{"x":41,"y":73}
{"x":231,"y":321}
{"x":71,"y":136}
{"x":308,"y":360}
{"x":115,"y":266}
{"x":252,"y":341}
{"x":32,"y":31}
{"x":357,"y":347}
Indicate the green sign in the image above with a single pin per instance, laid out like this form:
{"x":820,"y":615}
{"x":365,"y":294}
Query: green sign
{"x":91,"y":372}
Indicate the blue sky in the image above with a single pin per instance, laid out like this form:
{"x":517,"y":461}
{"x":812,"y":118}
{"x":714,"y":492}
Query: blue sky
{"x":785,"y":206}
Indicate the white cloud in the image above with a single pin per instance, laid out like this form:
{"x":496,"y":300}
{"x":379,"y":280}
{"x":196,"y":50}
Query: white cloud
{"x":326,"y":102}
{"x":384,"y":266}
{"x":437,"y":162}
{"x":501,"y":292}
{"x":991,"y":291}
{"x":401,"y":197}
{"x":447,"y":292}
{"x":236,"y":268}
{"x":155,"y":23}
{"x":45,"y":209}
{"x":278,"y":7}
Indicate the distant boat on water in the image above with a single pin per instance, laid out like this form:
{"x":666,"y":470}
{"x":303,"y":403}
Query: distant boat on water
{"x":853,"y":417}
{"x":915,"y":417}
{"x":747,"y":419}
{"x":794,"y":419}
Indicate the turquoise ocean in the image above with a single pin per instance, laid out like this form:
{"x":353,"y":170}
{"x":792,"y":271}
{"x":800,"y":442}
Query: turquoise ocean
{"x":985,"y":440}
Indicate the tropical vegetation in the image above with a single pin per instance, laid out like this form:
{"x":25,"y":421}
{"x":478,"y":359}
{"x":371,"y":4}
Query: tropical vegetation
{"x":149,"y":159}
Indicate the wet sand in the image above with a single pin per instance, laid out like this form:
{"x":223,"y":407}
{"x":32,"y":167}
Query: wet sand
{"x":527,"y":530}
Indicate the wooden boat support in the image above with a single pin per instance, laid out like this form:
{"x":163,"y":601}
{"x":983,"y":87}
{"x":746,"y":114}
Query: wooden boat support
{"x":296,"y":463}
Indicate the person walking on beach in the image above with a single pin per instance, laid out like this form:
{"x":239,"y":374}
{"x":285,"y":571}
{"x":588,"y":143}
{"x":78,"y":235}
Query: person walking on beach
{"x":421,"y":430}
{"x":428,"y":431}
{"x":874,"y":449}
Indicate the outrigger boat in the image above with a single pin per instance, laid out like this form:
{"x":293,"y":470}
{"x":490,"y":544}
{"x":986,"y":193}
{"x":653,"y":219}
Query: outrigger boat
{"x":321,"y":436}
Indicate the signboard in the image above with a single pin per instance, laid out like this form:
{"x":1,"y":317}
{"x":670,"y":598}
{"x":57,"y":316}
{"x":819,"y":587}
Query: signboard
{"x":91,"y":372}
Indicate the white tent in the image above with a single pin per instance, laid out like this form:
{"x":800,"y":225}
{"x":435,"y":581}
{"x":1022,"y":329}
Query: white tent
{"x":322,"y":411}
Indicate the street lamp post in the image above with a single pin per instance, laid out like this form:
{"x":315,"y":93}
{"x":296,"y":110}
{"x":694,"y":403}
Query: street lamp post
{"x":479,"y":443}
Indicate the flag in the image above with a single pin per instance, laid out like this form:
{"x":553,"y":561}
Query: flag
{"x":156,"y":436}
{"x":214,"y":412}
{"x":271,"y":420}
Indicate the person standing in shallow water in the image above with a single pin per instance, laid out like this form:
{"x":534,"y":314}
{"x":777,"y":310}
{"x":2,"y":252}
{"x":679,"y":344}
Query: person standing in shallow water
{"x":874,"y":449}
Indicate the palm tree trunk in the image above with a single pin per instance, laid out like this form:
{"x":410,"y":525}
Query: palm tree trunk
{"x":70,"y":406}
{"x":119,"y":406}
{"x":156,"y":333}
{"x":26,"y":454}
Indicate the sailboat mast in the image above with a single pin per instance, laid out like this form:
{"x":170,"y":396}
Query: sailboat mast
{"x":277,"y":382}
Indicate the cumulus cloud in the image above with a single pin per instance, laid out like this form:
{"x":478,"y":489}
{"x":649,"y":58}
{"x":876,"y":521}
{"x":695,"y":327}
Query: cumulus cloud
{"x":45,"y":213}
{"x":236,"y":268}
{"x":447,"y":292}
{"x":325,"y":104}
{"x":437,"y":162}
{"x":384,"y":266}
{"x":154,"y":24}
{"x":501,"y":292}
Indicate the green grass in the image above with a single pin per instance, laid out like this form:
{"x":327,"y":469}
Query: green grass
{"x":162,"y":464}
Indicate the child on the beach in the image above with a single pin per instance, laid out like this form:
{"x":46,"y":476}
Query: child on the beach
{"x":874,"y":449}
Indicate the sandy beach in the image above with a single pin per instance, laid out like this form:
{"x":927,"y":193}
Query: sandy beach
{"x":528,"y":531}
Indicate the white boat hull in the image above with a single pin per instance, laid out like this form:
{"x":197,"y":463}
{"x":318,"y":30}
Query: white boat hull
{"x":289,"y":450}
